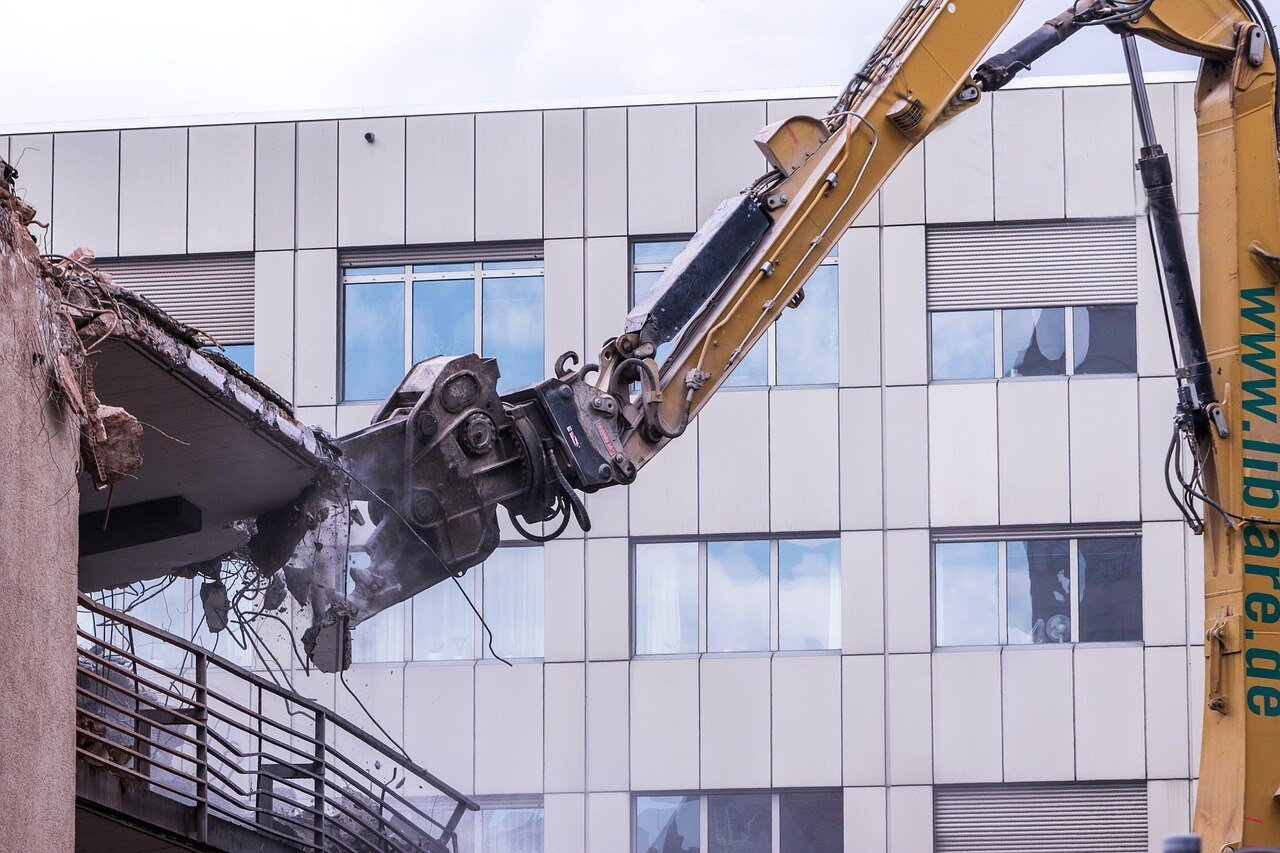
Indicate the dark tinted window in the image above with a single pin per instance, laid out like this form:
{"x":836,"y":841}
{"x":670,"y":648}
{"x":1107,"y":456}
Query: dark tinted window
{"x":1109,"y":583}
{"x":1105,"y":339}
{"x":811,"y":822}
{"x":739,"y":823}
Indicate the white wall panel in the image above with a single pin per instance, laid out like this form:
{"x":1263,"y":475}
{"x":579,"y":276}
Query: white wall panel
{"x":862,"y":591}
{"x":859,"y":277}
{"x":906,"y":457}
{"x":806,"y":721}
{"x":563,"y":172}
{"x":902,"y":196}
{"x":963,"y":467}
{"x":608,"y":726}
{"x":1035,"y":475}
{"x":564,"y":282}
{"x":866,"y":820}
{"x":1168,"y":810}
{"x":609,"y":823}
{"x":664,"y":499}
{"x":274,"y":175}
{"x":565,"y":822}
{"x":1099,"y":151}
{"x":905,"y":319}
{"x":564,"y":600}
{"x":608,"y":599}
{"x":909,"y":720}
{"x":958,"y":169}
{"x":442,"y":720}
{"x":1104,"y":449}
{"x":86,"y":193}
{"x":565,"y":727}
{"x":1156,"y":401}
{"x":1164,"y":581}
{"x":356,"y":416}
{"x":735,"y":719}
{"x":440,"y":179}
{"x":608,"y":285}
{"x":1167,"y":729}
{"x":664,"y":724}
{"x":728,"y":158}
{"x":1154,"y":358}
{"x":812,"y":107}
{"x":1038,"y":725}
{"x":1110,"y":741}
{"x":1188,"y":177}
{"x":153,"y":191}
{"x":908,"y":591}
{"x":273,"y":309}
{"x":733,"y":463}
{"x":316,"y":328}
{"x":1196,"y":689}
{"x":32,"y":156}
{"x":317,"y":214}
{"x":966,"y":717}
{"x":509,"y":176}
{"x":804,"y":430}
{"x":661,"y":167}
{"x":606,"y":172}
{"x":321,"y":417}
{"x":609,"y":509}
{"x":910,"y":819}
{"x":861,"y":459}
{"x":1195,"y":546}
{"x":863,"y":713}
{"x":220,"y":206}
{"x":381,"y":690}
{"x":509,"y":715}
{"x":1030,"y":178}
{"x":371,"y":182}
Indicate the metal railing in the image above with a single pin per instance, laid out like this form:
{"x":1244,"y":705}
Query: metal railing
{"x":233,"y":745}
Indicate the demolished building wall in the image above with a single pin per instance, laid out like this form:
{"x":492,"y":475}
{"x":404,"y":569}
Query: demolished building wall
{"x":38,"y":553}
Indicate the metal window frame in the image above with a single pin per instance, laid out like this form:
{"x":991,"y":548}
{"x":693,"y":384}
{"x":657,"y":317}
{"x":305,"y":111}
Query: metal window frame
{"x":703,"y":797}
{"x":406,"y":278}
{"x":775,"y":627}
{"x":1001,"y":542}
{"x":997,"y":371}
{"x":770,"y":340}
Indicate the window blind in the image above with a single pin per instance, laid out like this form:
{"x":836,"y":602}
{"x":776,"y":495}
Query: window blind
{"x":214,"y":293}
{"x":1087,"y":262}
{"x":459,"y":253}
{"x":1068,"y":817}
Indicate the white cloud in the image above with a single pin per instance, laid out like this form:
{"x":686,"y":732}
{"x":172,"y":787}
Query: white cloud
{"x":90,"y":62}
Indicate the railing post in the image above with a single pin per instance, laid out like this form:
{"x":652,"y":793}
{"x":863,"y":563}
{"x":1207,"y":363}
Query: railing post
{"x":201,"y":705}
{"x":318,"y":782}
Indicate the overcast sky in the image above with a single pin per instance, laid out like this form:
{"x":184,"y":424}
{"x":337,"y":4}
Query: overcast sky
{"x":97,"y":62}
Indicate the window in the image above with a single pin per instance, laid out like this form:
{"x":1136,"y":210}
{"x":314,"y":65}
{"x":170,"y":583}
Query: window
{"x":504,"y":826}
{"x":241,"y":354}
{"x":1020,"y":591}
{"x":175,"y":606}
{"x":439,"y":625}
{"x":396,"y":316}
{"x":740,"y":822}
{"x":737,"y":595}
{"x":802,"y":348}
{"x":1013,"y":343}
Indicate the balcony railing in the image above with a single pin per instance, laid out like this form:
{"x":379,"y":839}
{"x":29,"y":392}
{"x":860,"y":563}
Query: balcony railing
{"x":171,"y":718}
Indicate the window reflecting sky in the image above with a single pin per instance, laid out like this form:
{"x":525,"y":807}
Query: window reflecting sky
{"x":963,"y":344}
{"x":373,"y":340}
{"x":738,"y":596}
{"x":967,"y":575}
{"x":809,"y":594}
{"x":666,"y":598}
{"x":513,"y":329}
